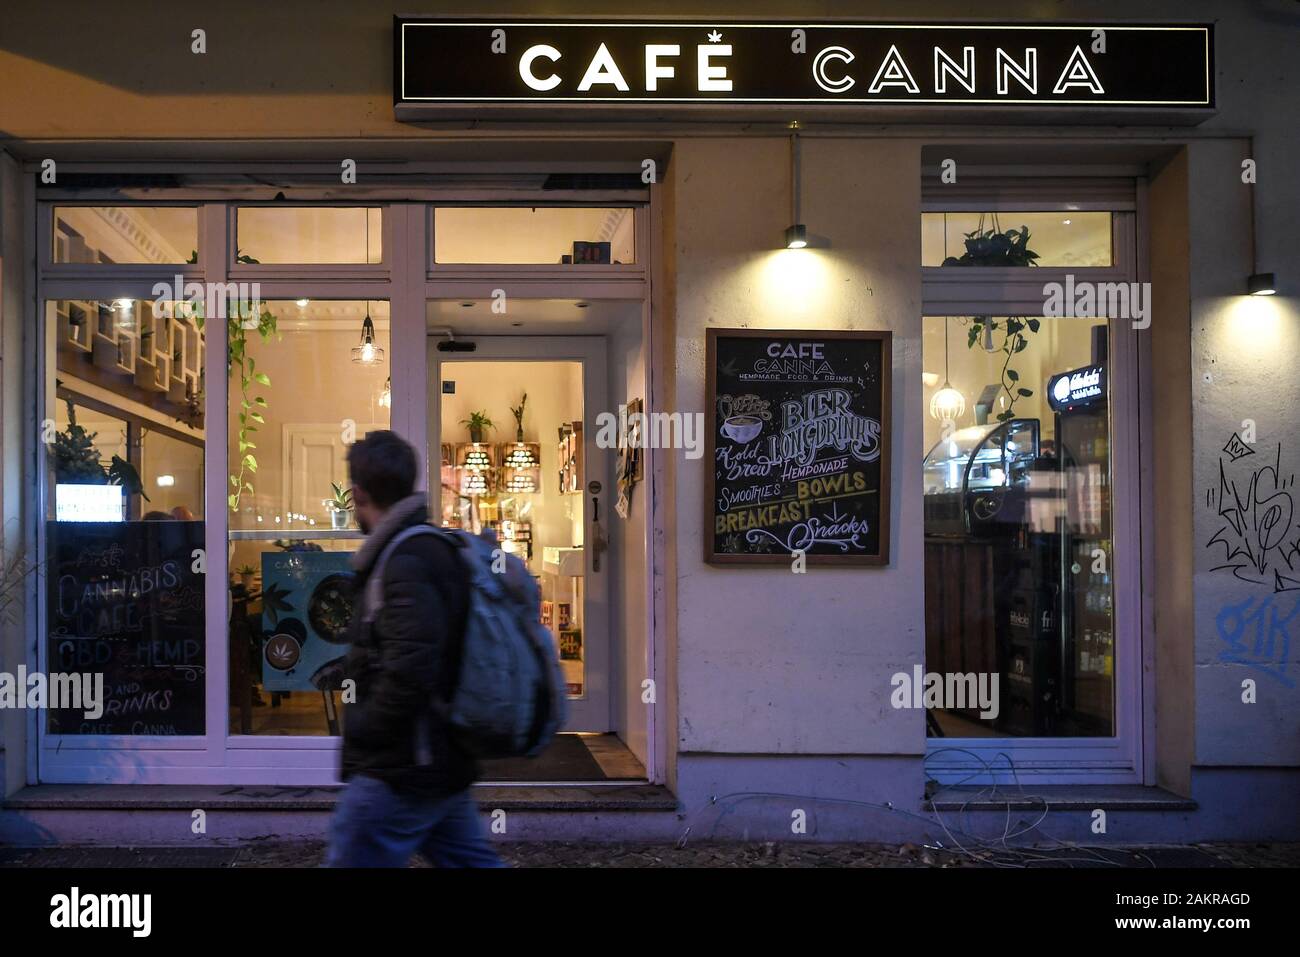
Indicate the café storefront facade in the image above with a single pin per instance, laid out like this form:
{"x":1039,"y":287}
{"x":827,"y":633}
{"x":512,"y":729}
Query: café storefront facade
{"x":887,"y":410}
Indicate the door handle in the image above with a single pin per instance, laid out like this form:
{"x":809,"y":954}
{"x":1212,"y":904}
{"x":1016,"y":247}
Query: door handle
{"x":598,"y":541}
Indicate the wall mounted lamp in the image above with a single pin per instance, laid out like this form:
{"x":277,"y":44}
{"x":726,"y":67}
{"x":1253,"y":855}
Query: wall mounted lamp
{"x":1261,"y":284}
{"x":796,"y":234}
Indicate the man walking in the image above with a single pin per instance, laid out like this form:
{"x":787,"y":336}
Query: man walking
{"x":408,"y":783}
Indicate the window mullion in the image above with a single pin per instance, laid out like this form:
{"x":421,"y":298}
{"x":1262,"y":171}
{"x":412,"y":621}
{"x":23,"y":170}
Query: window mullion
{"x":213,"y":241}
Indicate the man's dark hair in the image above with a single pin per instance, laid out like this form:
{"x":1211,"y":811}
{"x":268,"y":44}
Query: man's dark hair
{"x":383,"y":466}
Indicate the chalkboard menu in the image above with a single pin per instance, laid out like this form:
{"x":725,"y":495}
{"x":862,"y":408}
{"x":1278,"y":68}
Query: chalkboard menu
{"x":798,"y":441}
{"x":126,"y":601}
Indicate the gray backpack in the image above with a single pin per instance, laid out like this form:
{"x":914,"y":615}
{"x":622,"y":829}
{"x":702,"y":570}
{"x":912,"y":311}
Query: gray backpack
{"x":509,"y":699}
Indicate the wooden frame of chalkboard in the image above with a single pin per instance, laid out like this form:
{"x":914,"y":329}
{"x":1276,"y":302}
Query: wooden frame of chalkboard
{"x":860,"y":400}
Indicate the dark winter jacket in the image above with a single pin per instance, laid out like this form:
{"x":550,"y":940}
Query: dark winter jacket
{"x":410,"y":652}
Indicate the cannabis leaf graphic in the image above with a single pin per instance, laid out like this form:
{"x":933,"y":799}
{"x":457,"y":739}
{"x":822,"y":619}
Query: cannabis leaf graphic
{"x":273,"y":602}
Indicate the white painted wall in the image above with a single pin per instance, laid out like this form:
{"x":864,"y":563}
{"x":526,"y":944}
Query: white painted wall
{"x":1243,"y":368}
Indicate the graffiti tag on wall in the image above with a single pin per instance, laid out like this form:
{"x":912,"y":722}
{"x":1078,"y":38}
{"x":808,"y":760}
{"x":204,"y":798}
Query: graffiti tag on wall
{"x":1258,"y":539}
{"x":1258,"y":544}
{"x":1257,"y":632}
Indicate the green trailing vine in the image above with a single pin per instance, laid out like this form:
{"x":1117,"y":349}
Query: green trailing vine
{"x":1013,"y":341}
{"x":251,"y":407}
{"x":994,"y":247}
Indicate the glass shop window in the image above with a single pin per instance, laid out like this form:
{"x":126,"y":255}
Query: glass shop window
{"x":1017,"y":503}
{"x":124,"y":524}
{"x":307,"y":378}
{"x":172,"y":469}
{"x":126,"y":234}
{"x":309,"y":235}
{"x":543,"y":235}
{"x":1010,"y":239}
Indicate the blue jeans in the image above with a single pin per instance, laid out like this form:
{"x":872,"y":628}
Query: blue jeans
{"x":375,"y":826}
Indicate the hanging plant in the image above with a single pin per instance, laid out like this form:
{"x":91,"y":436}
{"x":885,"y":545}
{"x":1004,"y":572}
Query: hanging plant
{"x":994,"y":248}
{"x":251,"y":407}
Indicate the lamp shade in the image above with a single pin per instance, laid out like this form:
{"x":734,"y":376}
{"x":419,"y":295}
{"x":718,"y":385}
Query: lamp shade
{"x":947,"y":405}
{"x":366,"y":352}
{"x":1262,"y":284}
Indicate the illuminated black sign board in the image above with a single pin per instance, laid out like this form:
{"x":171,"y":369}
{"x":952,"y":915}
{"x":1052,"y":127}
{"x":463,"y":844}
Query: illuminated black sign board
{"x":798,"y":436}
{"x":1077,"y":388}
{"x":442,"y":62}
{"x":126,"y":601}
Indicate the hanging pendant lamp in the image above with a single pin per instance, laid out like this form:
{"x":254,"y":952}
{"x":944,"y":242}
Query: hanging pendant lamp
{"x":366,"y":352}
{"x":947,"y":405}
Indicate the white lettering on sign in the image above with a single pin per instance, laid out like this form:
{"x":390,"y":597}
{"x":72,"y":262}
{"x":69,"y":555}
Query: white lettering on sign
{"x":603,"y":69}
{"x":894,"y":72}
{"x":1078,"y":72}
{"x":823,"y":419}
{"x":653,"y":71}
{"x":966,"y":64}
{"x":712,"y":78}
{"x":526,"y":67}
{"x":945,"y":66}
{"x":804,"y":350}
{"x":1008,"y":69}
{"x":1073,"y":387}
{"x":827,"y":83}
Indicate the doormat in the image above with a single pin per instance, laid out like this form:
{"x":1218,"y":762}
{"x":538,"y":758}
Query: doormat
{"x":565,"y":759}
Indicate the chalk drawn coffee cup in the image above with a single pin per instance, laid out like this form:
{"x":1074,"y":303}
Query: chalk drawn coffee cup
{"x":742,"y":428}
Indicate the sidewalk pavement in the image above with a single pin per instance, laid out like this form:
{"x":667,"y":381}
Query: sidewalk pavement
{"x":695,"y":854}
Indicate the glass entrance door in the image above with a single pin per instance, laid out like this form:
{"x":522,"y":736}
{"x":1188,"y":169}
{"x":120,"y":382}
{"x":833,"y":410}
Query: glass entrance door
{"x":514,"y":453}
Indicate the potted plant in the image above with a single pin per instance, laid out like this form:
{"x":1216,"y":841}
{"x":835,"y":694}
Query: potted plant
{"x":76,"y":460}
{"x":246,"y":573}
{"x":340,"y":506}
{"x":1010,"y":249}
{"x":476,"y":423}
{"x":518,"y":411}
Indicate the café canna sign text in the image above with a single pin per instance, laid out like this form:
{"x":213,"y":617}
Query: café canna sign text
{"x":680,"y":64}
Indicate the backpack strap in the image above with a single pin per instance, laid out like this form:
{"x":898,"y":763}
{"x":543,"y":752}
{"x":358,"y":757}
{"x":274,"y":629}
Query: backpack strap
{"x":374,"y":603}
{"x":374,"y":599}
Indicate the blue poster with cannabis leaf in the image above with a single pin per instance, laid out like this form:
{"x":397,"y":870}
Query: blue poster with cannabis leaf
{"x":306,"y":609}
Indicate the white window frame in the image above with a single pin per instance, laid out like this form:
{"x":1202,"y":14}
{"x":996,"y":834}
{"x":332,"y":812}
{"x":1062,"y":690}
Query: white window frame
{"x":1127,"y":757}
{"x":407,"y":279}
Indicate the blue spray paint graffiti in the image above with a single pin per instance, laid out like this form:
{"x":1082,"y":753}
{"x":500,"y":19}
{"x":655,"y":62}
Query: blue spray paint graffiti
{"x":1258,"y":636}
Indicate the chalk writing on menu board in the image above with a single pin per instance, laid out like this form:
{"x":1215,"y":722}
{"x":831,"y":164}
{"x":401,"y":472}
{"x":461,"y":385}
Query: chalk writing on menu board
{"x":125,"y":600}
{"x":799,"y":445}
